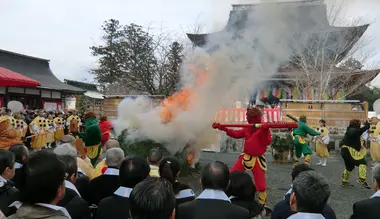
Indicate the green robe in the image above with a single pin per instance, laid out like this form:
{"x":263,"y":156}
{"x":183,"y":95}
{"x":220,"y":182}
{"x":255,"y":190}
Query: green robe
{"x":92,"y":138}
{"x":301,"y":147}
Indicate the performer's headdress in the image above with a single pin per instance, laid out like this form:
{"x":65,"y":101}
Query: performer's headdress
{"x":253,"y":115}
{"x":89,"y":115}
{"x":303,"y":118}
{"x":355,"y":123}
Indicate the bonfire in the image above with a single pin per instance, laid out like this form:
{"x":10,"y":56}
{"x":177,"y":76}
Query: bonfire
{"x":170,"y":108}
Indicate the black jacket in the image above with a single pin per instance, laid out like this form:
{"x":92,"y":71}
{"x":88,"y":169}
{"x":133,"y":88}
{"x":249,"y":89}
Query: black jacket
{"x":101,"y":187}
{"x":8,"y":195}
{"x":17,"y":178}
{"x":252,"y":206}
{"x":75,"y":205}
{"x":211,"y":209}
{"x":184,"y":194}
{"x":115,"y":207}
{"x":352,"y":137}
{"x":368,"y":209}
{"x":282,"y":210}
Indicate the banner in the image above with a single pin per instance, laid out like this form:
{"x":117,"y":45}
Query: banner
{"x":51,"y":105}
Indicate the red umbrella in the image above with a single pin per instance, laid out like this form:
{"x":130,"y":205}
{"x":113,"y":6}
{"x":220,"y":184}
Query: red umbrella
{"x":10,"y":78}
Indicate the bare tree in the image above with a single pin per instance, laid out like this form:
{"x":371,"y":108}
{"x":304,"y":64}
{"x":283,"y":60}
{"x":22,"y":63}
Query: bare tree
{"x":321,"y":64}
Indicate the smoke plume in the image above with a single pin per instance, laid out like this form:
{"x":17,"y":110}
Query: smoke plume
{"x":237,"y":61}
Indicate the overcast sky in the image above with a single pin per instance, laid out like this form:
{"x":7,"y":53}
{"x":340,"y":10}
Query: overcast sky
{"x":63,"y":30}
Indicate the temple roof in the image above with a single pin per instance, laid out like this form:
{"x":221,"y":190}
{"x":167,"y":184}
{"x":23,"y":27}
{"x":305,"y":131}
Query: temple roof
{"x":305,"y":17}
{"x":35,"y":68}
{"x":82,"y":85}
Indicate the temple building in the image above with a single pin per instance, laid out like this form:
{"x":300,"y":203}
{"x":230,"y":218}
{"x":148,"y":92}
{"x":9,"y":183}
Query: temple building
{"x":91,"y":100}
{"x":30,"y":80}
{"x":299,"y":78}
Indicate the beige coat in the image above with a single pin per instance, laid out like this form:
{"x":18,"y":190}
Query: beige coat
{"x":34,"y":211}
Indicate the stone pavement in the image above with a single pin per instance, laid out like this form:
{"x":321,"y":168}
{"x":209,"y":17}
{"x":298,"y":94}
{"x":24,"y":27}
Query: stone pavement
{"x":279,"y":181}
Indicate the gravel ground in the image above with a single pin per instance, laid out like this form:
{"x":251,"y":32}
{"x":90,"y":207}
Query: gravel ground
{"x":279,"y":181}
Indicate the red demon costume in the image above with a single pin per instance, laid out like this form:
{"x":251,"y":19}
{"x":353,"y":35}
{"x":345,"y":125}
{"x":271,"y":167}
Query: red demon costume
{"x":256,"y":142}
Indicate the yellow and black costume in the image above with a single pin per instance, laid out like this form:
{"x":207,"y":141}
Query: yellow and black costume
{"x":351,"y":153}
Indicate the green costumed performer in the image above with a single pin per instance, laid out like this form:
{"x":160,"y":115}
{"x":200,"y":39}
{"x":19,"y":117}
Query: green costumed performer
{"x":300,"y":144}
{"x":92,"y":137}
{"x":351,"y":147}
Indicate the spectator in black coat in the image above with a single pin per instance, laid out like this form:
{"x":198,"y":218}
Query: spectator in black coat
{"x":282,"y":209}
{"x":72,"y":201}
{"x":8,"y":194}
{"x":21,"y":154}
{"x":369,"y":208}
{"x":213,"y":201}
{"x":242,"y":193}
{"x":152,"y":198}
{"x":169,"y":169}
{"x":132,"y":171}
{"x":105,"y":185}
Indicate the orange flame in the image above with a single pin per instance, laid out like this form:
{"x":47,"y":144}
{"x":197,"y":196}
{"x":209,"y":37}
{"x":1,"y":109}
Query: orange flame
{"x":180,"y":101}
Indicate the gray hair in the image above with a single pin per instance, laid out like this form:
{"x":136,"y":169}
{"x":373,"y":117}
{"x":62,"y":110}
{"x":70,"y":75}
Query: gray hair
{"x":376,"y":173}
{"x":65,"y":149}
{"x":312,"y":192}
{"x":114,"y":157}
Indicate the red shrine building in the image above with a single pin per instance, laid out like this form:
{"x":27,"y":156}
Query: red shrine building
{"x":31,"y":81}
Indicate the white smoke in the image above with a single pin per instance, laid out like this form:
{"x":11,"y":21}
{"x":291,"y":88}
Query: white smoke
{"x":236,"y":64}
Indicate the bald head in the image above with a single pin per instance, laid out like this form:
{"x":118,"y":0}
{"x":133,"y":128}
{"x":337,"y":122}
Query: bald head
{"x":112,"y":143}
{"x":215,"y":176}
{"x":114,"y":157}
{"x":67,"y":139}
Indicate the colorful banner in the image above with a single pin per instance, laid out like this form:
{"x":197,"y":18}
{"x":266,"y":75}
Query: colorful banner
{"x":276,"y":92}
{"x":264,"y":94}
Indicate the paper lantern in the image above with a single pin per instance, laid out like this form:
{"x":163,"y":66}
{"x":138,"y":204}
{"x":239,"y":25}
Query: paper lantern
{"x":376,"y":106}
{"x":15,"y":106}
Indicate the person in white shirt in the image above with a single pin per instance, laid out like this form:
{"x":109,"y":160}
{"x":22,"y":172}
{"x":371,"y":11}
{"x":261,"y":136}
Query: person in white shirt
{"x":309,"y":195}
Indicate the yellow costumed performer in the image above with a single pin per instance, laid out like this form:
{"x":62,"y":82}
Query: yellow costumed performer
{"x":19,"y":125}
{"x":60,"y":128}
{"x":322,"y":142}
{"x":73,"y":122}
{"x":50,"y":124}
{"x":374,"y":137}
{"x":38,"y":127}
{"x":8,"y":136}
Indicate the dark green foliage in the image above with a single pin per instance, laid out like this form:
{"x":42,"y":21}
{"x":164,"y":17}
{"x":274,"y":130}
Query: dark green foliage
{"x":369,"y":94}
{"x":282,"y":143}
{"x":134,"y":60}
{"x":142,"y":148}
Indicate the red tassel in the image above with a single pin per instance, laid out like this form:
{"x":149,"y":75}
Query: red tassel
{"x":104,"y":169}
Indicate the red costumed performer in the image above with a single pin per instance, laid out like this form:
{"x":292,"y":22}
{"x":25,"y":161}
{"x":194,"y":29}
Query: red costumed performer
{"x":255,"y":146}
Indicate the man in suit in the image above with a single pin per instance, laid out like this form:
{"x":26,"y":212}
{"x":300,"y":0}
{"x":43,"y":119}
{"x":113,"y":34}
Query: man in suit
{"x":72,"y":201}
{"x":42,"y":187}
{"x":309,"y":196}
{"x":151,"y":199}
{"x":106,"y":184}
{"x":132,"y":171}
{"x":212,"y":202}
{"x":83,"y":177}
{"x":8,"y":194}
{"x":282,"y":209}
{"x":369,"y":208}
{"x":21,"y":154}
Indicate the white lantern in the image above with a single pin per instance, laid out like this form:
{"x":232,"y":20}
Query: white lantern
{"x":376,"y":106}
{"x":15,"y":106}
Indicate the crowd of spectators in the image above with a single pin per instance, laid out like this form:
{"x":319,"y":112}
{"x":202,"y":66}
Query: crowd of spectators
{"x":59,"y":183}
